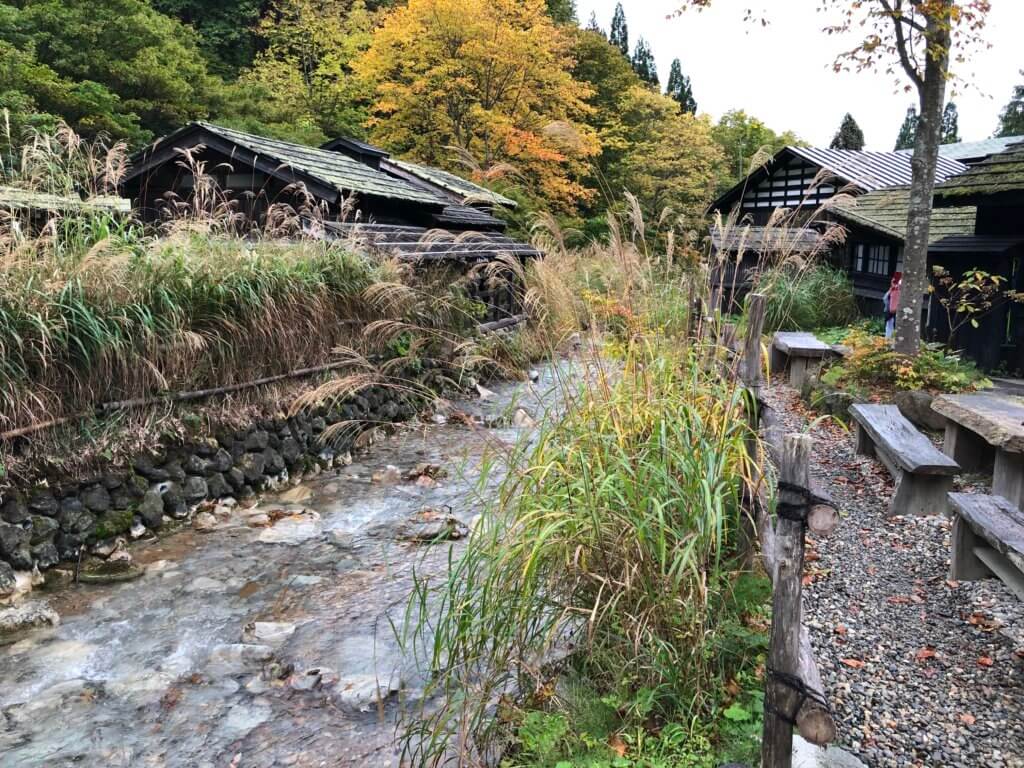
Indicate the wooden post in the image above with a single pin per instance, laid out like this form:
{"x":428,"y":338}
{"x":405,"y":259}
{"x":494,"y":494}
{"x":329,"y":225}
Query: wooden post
{"x":782,"y":700}
{"x":750,"y":367}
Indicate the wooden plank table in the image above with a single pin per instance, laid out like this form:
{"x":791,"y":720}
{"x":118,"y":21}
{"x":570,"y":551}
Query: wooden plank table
{"x":984,"y":430}
{"x":802,"y":351}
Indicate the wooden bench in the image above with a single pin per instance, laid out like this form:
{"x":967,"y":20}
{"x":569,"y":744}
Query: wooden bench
{"x":923,"y":473}
{"x":988,"y":540}
{"x":802,"y":352}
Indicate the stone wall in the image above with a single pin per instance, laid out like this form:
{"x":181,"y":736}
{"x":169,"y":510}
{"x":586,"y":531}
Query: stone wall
{"x":60,"y":518}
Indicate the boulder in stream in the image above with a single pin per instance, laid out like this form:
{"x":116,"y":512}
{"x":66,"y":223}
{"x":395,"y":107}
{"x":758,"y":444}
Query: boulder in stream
{"x":30,"y":615}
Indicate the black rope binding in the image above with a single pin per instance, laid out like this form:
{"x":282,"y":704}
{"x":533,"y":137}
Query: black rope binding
{"x":804,"y":693}
{"x":788,"y":510}
{"x":797,"y":512}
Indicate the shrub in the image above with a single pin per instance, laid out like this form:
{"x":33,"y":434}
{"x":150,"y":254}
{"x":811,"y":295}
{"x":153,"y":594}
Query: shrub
{"x":806,"y":298}
{"x":873,"y":363}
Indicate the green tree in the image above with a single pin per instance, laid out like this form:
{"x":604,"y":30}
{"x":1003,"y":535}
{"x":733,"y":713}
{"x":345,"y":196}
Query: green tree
{"x":679,"y":88}
{"x":648,"y":146}
{"x":150,"y":62}
{"x":1011,"y":119}
{"x":644,"y":65}
{"x":593,"y":25}
{"x":908,"y":130}
{"x":672,"y":161}
{"x":849,"y":135}
{"x":302,"y":83}
{"x":619,"y":36}
{"x":950,"y":125}
{"x":33,"y":96}
{"x":562,"y":11}
{"x":742,"y":136}
{"x":225,"y":28}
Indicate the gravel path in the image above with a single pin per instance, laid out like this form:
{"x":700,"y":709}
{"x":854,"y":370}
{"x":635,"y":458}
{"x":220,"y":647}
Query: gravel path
{"x":921,"y":671}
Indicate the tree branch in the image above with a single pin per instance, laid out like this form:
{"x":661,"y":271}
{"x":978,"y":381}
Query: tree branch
{"x":902,"y":46}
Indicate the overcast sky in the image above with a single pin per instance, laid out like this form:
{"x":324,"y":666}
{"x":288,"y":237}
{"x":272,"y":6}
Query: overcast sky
{"x":783,"y":75}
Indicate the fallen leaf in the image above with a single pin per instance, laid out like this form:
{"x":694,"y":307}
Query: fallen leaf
{"x":733,"y":688}
{"x":985,"y":661}
{"x":967,"y":719}
{"x":924,"y":654}
{"x":898,"y":600}
{"x":983,"y":622}
{"x":617,"y":745}
{"x":840,"y":629}
{"x":807,"y":580}
{"x":952,"y":584}
{"x":853,"y":663}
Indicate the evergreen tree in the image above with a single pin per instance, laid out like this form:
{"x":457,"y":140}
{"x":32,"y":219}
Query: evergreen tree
{"x":594,"y":26}
{"x":849,"y":135}
{"x":950,"y":125}
{"x":644,"y":64}
{"x":619,"y":36}
{"x":679,"y":88}
{"x":908,"y":131}
{"x":1011,"y":119}
{"x":562,"y":11}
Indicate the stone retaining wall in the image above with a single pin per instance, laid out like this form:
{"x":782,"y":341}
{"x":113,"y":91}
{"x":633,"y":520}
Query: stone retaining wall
{"x":57,"y":520}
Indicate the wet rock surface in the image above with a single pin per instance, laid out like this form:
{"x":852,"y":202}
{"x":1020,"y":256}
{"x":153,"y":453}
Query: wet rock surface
{"x":265,"y":641}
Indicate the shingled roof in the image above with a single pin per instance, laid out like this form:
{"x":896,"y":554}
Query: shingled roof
{"x":885,"y":211}
{"x":873,"y":170}
{"x":998,"y":174}
{"x":292,"y":162}
{"x":467,"y":190}
{"x":973,"y":151}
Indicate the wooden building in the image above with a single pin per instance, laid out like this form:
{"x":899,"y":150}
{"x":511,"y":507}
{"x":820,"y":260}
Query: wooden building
{"x":809,"y":182}
{"x":994,"y":188}
{"x":380,"y":205}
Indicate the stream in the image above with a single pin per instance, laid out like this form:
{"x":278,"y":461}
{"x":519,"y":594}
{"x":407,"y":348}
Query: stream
{"x":169,"y":670}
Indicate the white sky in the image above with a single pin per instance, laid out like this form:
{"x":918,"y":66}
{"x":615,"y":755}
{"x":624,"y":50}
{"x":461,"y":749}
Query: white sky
{"x":783,"y":75}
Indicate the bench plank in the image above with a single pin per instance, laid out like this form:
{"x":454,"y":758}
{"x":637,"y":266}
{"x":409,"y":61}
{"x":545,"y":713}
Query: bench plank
{"x":912,"y":451}
{"x":801,"y":344}
{"x":995,"y":519}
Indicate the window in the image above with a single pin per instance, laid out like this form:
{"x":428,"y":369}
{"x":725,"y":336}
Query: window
{"x":872,"y":259}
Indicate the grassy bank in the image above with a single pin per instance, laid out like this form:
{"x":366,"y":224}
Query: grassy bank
{"x":601,"y":614}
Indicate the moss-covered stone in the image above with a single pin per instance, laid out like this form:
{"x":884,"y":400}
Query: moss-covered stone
{"x":113,"y":523}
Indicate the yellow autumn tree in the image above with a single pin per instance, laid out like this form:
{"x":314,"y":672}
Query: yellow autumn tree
{"x":491,"y":78}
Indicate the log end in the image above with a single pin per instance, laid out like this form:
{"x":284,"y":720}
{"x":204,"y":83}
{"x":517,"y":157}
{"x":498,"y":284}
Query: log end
{"x":816,"y":724}
{"x":822,"y":520}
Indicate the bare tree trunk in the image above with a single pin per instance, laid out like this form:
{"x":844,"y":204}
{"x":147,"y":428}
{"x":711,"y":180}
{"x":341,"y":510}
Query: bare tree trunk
{"x":932,"y":93}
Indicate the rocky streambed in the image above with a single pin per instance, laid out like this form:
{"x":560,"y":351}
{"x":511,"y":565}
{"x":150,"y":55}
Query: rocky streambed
{"x":262,"y":636}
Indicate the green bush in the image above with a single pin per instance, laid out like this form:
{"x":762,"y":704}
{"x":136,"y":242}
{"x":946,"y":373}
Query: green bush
{"x":806,"y":298}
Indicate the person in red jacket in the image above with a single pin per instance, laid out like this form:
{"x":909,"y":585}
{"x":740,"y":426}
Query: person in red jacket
{"x":892,"y":303}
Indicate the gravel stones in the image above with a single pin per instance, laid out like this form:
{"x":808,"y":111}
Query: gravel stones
{"x":920,"y":671}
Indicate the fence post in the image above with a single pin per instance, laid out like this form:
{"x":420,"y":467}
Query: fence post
{"x":750,"y":365}
{"x":783,"y":681}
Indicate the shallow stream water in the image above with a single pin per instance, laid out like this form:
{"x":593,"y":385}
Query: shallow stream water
{"x":153,"y":672}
